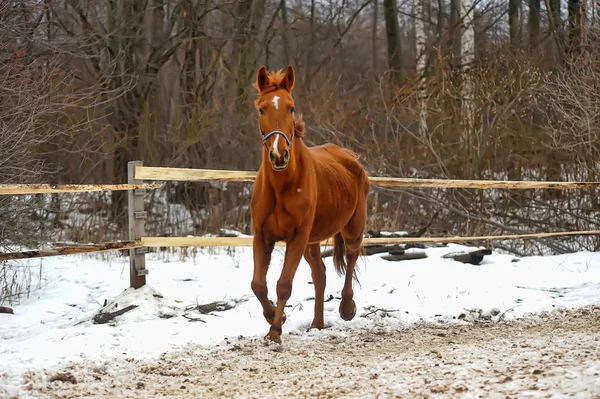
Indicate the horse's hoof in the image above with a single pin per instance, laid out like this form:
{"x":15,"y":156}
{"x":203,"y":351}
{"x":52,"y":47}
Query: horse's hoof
{"x":273,"y":336}
{"x":317,"y":325}
{"x":347,"y":316}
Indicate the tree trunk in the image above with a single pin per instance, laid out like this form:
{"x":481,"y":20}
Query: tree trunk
{"x":241,"y":47}
{"x":392,"y":28}
{"x":467,"y":58}
{"x":127,"y":20}
{"x":248,"y":14}
{"x":514,"y":9}
{"x":574,"y":8}
{"x":441,"y":21}
{"x":455,"y":31}
{"x":421,"y":44}
{"x":310,"y":51}
{"x":555,"y":11}
{"x":374,"y":36}
{"x":534,"y":23}
{"x":555,"y":24}
{"x":286,"y":36}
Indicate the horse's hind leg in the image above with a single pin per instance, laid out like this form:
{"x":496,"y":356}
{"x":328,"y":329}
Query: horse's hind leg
{"x":313,"y":257}
{"x":347,"y":305}
{"x":352,"y":234}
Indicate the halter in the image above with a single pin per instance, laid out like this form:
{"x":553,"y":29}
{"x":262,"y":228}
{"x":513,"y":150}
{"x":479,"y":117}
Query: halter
{"x":274,"y":132}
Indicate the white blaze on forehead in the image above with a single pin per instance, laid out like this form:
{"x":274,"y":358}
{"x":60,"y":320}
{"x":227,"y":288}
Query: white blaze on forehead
{"x":276,"y":102}
{"x":275,"y":149}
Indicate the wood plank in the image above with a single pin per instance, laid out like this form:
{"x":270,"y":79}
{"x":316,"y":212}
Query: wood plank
{"x":182,"y":174}
{"x":480,"y":184}
{"x":247,"y":241}
{"x":19,"y":189}
{"x":79,"y":249}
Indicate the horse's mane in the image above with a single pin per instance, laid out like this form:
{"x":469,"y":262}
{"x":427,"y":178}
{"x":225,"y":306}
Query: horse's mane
{"x":299,"y":127}
{"x":275,"y":81}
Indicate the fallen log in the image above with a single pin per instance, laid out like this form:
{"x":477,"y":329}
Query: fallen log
{"x":5,"y":309}
{"x":405,"y":256}
{"x":472,"y":257}
{"x":369,"y":250}
{"x":106,"y":317}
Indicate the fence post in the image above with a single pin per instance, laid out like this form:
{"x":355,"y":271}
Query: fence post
{"x":137,"y":218}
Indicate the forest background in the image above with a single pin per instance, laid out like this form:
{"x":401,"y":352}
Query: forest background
{"x":465,"y":89}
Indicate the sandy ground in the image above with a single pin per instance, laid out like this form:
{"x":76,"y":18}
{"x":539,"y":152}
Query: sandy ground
{"x":557,"y":355}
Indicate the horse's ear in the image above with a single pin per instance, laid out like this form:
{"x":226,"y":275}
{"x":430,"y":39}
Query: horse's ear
{"x":289,"y":79}
{"x":262,"y":78}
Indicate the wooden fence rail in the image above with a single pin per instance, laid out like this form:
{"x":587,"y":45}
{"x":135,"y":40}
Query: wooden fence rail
{"x":77,"y":249}
{"x":182,"y":174}
{"x":247,"y":242}
{"x":20,"y":189}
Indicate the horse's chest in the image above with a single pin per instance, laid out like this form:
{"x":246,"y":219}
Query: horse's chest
{"x":285,"y":219}
{"x":279,"y":225}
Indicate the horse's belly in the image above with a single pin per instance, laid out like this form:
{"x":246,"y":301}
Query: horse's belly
{"x":324,"y":230}
{"x":330,"y":222}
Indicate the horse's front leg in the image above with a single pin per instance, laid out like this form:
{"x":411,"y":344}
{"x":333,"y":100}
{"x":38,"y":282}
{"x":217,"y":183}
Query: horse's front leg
{"x":262,"y":259}
{"x":293,"y":255}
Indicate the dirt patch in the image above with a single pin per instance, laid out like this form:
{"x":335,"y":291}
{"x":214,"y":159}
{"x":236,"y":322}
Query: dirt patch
{"x":555,"y":356}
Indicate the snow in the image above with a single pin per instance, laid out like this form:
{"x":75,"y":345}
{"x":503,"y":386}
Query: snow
{"x":53,"y":326}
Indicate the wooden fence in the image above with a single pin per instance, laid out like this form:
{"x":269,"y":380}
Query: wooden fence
{"x":138,"y":243}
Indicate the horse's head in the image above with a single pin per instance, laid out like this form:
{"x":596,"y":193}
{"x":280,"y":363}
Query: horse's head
{"x":276,"y":118}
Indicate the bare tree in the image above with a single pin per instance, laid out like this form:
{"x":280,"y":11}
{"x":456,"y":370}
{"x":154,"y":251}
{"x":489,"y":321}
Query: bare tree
{"x":286,"y":32}
{"x":455,"y":30}
{"x":534,"y":23}
{"x":467,"y":58}
{"x":575,"y":25}
{"x":31,"y":114}
{"x":392,"y":28}
{"x":248,"y":17}
{"x":374,"y":49}
{"x":421,"y":53}
{"x":514,"y":21}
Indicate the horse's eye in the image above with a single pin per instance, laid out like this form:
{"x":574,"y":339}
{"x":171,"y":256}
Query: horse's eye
{"x":261,"y":111}
{"x":293,"y":110}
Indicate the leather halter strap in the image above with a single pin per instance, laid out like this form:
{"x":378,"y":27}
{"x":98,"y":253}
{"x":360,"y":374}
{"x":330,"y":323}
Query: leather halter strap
{"x":274,"y":132}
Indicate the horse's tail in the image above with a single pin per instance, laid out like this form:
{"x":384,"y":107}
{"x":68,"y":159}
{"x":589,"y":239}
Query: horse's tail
{"x":339,"y":254}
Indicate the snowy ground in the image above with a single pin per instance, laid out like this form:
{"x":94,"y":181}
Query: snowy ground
{"x":52,"y":329}
{"x":555,"y":356}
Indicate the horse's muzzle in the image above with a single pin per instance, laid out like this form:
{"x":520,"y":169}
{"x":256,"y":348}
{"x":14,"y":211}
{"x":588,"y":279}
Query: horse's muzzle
{"x":279,"y":161}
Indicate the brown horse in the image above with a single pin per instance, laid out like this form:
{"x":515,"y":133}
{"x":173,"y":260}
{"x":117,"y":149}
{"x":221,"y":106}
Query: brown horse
{"x":302,"y":196}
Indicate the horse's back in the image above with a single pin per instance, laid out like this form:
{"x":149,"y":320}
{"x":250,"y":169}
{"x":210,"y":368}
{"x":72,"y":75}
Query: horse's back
{"x":333,"y":158}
